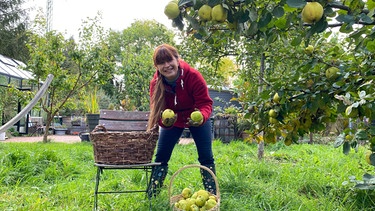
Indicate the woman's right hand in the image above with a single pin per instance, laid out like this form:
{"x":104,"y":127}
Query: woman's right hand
{"x":168,"y":122}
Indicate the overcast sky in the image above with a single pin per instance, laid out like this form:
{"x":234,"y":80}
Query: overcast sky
{"x":116,"y":14}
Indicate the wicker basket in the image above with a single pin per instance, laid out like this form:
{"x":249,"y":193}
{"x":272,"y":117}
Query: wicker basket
{"x":175,"y":198}
{"x":122,"y":148}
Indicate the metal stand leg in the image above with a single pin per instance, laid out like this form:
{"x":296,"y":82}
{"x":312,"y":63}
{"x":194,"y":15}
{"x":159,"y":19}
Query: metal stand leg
{"x":101,"y":167}
{"x":98,"y":172}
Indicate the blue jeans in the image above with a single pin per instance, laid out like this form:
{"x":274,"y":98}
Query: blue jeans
{"x":168,"y":138}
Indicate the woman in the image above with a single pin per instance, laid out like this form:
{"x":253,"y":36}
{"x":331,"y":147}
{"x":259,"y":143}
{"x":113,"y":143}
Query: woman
{"x":179,"y":87}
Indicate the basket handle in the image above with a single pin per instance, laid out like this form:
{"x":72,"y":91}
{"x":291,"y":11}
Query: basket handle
{"x":194,"y":166}
{"x":99,"y":128}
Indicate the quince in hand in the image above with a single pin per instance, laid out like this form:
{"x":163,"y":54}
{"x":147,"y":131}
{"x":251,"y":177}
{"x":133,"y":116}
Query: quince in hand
{"x":196,"y":116}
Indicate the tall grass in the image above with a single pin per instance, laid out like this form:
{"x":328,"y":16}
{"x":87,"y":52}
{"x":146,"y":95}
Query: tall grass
{"x":58,"y":176}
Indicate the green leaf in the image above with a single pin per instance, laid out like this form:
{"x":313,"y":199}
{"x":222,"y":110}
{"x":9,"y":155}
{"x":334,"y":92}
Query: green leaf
{"x":370,"y":4}
{"x":346,"y":148}
{"x":264,"y":20}
{"x":281,"y":23}
{"x":242,"y":16}
{"x":345,"y":18}
{"x":253,"y":15}
{"x":371,"y":46}
{"x":361,"y":135}
{"x":253,"y":29}
{"x":198,"y":36}
{"x":339,"y":141}
{"x":278,"y":12}
{"x":296,"y":41}
{"x":213,"y":3}
{"x":364,"y":186}
{"x":365,"y":18}
{"x":372,"y":161}
{"x":188,"y":3}
{"x":319,"y":26}
{"x":296,"y":3}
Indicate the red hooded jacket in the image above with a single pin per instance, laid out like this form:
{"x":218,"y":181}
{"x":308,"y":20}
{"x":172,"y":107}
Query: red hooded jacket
{"x":190,"y":93}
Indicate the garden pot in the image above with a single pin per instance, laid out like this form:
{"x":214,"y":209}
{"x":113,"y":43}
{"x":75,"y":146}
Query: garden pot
{"x":2,"y":136}
{"x":60,"y":131}
{"x":84,"y":136}
{"x":92,"y":121}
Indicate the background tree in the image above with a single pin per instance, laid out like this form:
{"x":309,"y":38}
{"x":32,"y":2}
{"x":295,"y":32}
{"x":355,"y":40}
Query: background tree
{"x":13,"y":29}
{"x":133,"y":49}
{"x":75,"y":66}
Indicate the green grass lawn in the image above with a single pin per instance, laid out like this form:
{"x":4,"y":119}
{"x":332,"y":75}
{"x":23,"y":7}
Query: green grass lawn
{"x":58,"y":176}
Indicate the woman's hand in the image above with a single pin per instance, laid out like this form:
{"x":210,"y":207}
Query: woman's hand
{"x":168,"y":121}
{"x":196,"y":118}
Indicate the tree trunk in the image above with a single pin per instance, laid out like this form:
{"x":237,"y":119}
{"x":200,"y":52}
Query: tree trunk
{"x":311,"y":141}
{"x":260,"y":89}
{"x":48,"y":124}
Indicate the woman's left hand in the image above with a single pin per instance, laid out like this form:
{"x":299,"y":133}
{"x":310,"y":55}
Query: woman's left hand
{"x":194,"y":124}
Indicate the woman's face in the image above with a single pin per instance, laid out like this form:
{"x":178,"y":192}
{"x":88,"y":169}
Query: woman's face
{"x":169,"y":69}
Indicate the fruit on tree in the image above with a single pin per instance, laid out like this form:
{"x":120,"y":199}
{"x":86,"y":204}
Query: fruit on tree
{"x":276,"y":98}
{"x":312,"y":12}
{"x":332,"y":72}
{"x":167,"y":113}
{"x":218,"y":13}
{"x":204,"y":13}
{"x":171,"y":10}
{"x":272,"y":113}
{"x":196,"y":116}
{"x":309,"y":49}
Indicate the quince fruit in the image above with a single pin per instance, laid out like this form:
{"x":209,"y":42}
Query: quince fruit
{"x":276,"y":98}
{"x":312,"y":12}
{"x":309,"y":49}
{"x":272,"y":113}
{"x":196,"y":116}
{"x":186,"y":193}
{"x":205,"y":194}
{"x":210,"y":204}
{"x":204,"y":13}
{"x":171,"y":10}
{"x":218,"y":13}
{"x":332,"y":73}
{"x":167,"y":113}
{"x":200,"y":201}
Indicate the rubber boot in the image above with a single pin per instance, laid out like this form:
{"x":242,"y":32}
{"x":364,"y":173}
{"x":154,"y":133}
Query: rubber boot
{"x":158,"y":175}
{"x":208,"y":180}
